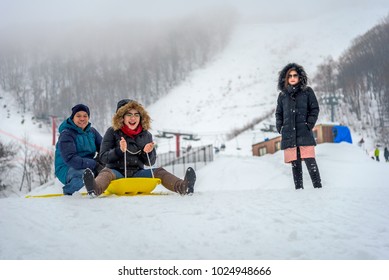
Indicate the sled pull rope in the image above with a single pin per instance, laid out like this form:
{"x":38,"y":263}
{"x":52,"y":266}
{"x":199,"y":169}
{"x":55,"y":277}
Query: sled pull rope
{"x":125,"y":162}
{"x":132,"y":153}
{"x":151,"y":168}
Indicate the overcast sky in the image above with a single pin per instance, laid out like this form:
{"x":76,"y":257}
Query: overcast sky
{"x":46,"y":11}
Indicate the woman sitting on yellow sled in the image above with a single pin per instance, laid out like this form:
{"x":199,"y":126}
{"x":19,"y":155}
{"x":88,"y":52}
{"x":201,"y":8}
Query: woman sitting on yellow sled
{"x":127,"y":147}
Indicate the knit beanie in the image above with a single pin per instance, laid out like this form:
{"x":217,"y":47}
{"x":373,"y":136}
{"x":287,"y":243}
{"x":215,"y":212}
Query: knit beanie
{"x":78,"y":108}
{"x":122,"y":102}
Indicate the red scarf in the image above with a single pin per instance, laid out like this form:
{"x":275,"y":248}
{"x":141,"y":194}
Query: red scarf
{"x":130,"y":132}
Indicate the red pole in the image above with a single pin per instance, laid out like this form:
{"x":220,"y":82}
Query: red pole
{"x":177,"y":145}
{"x":53,"y":127}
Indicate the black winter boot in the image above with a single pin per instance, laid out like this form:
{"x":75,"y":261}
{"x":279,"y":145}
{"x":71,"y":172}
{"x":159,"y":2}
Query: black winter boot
{"x":297,"y":171}
{"x":190,"y":178}
{"x":89,"y":182}
{"x":313,"y":172}
{"x":96,"y":186}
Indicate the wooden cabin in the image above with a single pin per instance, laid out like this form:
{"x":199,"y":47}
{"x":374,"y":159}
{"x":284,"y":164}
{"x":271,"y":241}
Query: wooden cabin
{"x":322,"y":133}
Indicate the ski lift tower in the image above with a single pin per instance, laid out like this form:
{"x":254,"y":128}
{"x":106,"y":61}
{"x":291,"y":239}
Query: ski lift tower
{"x":332,"y":100}
{"x":171,"y":134}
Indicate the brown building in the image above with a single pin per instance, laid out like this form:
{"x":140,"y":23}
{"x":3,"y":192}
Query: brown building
{"x":322,"y":132}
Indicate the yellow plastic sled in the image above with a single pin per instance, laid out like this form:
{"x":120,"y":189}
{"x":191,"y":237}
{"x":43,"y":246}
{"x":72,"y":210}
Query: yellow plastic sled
{"x":132,"y":186}
{"x":124,"y":186}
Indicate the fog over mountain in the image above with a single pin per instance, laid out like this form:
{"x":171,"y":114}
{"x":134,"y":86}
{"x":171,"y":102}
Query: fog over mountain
{"x":107,"y":11}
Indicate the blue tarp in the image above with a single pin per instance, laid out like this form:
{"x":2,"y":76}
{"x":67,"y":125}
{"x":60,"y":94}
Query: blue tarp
{"x":341,"y":134}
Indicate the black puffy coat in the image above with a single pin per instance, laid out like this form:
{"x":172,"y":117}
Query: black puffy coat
{"x":297,"y":111}
{"x":110,"y":152}
{"x":113,"y":157}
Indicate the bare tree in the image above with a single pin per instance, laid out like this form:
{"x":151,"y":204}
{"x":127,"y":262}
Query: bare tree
{"x":27,"y":166}
{"x":7,"y":153}
{"x":43,"y":165}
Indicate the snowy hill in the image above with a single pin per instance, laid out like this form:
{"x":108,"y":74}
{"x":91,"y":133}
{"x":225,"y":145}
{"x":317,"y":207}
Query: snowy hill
{"x":244,"y":207}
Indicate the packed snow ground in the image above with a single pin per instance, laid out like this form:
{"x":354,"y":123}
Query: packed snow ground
{"x":243,"y":208}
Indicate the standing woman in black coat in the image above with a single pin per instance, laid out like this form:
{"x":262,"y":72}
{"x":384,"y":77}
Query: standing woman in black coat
{"x":296,"y":114}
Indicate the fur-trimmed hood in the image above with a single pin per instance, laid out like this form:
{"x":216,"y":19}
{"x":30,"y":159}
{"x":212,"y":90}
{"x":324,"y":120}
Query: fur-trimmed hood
{"x":117,"y":119}
{"x":300,"y":71}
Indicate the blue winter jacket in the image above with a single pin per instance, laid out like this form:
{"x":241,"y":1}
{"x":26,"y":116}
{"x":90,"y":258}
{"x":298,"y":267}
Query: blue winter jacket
{"x":75,"y":148}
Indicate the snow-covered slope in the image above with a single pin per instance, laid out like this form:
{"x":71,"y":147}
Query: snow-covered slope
{"x":243,"y":208}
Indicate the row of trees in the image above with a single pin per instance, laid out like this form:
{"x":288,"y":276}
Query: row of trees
{"x":99,"y":66}
{"x":361,"y":78}
{"x":21,"y":167}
